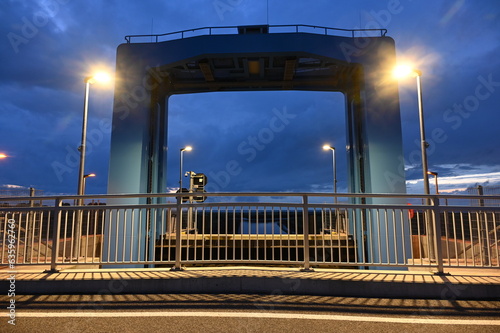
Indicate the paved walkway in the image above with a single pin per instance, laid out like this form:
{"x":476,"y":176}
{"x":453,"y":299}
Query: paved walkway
{"x":457,"y":284}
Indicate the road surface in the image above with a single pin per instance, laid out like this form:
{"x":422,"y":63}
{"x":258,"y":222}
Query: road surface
{"x":246,"y":313}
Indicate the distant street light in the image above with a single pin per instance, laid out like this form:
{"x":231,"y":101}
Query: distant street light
{"x":2,"y":155}
{"x":187,"y":148}
{"x":328,"y":147}
{"x":435,"y":174}
{"x":85,"y":180}
{"x":405,"y":71}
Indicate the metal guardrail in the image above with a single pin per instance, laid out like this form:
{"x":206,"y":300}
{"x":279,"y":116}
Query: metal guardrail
{"x":297,"y":28}
{"x":299,"y":229}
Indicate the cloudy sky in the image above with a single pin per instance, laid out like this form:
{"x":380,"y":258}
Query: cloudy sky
{"x":48,"y":46}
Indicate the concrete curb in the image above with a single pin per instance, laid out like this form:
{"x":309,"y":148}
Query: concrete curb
{"x":253,"y":285}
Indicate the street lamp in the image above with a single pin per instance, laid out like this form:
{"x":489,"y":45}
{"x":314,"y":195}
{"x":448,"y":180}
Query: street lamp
{"x":85,"y":180}
{"x":98,"y":77}
{"x":328,"y":147}
{"x":2,"y":156}
{"x":435,"y":174}
{"x":187,"y":148}
{"x":405,"y":71}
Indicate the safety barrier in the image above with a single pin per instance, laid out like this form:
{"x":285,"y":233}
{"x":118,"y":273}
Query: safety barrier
{"x":292,"y":229}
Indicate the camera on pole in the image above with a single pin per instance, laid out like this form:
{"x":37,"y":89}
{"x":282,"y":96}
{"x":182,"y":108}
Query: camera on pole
{"x":198,"y":181}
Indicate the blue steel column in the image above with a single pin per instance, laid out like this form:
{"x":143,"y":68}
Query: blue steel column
{"x":377,"y":158}
{"x":157,"y":172}
{"x":129,"y":168}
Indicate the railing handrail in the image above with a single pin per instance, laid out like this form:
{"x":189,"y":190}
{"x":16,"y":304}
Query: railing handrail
{"x":156,"y":37}
{"x":294,"y":199}
{"x":440,"y":208}
{"x":254,"y":194}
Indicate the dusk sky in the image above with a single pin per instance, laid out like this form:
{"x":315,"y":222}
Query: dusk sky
{"x":48,"y":47}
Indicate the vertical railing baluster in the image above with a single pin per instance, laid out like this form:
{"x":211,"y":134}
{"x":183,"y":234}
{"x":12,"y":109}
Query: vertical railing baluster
{"x":437,"y":232}
{"x":305,"y":220}
{"x":178,"y":240}
{"x":56,"y":224}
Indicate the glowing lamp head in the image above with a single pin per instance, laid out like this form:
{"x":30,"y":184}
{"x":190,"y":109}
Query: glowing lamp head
{"x":403,"y":71}
{"x":187,"y":148}
{"x":102,"y":77}
{"x":327,"y":147}
{"x":98,"y":77}
{"x":2,"y":155}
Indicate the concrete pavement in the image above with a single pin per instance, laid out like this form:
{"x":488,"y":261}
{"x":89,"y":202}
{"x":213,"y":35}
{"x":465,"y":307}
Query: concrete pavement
{"x":469,"y":284}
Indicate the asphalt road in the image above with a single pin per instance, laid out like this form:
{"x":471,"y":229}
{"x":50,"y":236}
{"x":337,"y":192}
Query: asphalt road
{"x":246,"y":313}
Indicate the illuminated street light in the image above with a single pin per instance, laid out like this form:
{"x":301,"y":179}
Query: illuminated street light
{"x":2,"y":155}
{"x":98,"y":77}
{"x":187,"y":148}
{"x":435,"y":174}
{"x":88,"y":80}
{"x":405,"y":71}
{"x":85,"y":180}
{"x":328,"y":147}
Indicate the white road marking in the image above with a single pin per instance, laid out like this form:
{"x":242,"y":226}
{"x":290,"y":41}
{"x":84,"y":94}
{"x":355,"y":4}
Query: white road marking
{"x":406,"y":320}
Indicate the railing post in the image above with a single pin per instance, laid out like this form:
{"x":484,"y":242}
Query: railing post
{"x":483,"y":230}
{"x":29,"y":227}
{"x":178,"y":235}
{"x":56,"y":227}
{"x":305,"y":221}
{"x":438,"y":234}
{"x":430,"y":228}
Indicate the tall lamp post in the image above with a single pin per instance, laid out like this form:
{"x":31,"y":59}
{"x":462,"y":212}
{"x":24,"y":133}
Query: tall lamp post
{"x":328,"y":147}
{"x":334,"y":163}
{"x":181,"y":161}
{"x":405,"y":71}
{"x":98,"y":77}
{"x":187,"y":148}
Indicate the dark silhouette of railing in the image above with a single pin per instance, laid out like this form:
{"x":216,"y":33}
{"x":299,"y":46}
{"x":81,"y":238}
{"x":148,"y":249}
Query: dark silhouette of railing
{"x":297,"y":28}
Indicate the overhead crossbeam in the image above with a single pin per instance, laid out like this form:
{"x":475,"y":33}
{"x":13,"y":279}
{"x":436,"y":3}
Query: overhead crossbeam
{"x":207,"y":71}
{"x":289,"y":69}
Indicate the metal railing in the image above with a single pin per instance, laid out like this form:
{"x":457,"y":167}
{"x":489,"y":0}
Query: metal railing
{"x":293,"y":229}
{"x":231,"y":30}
